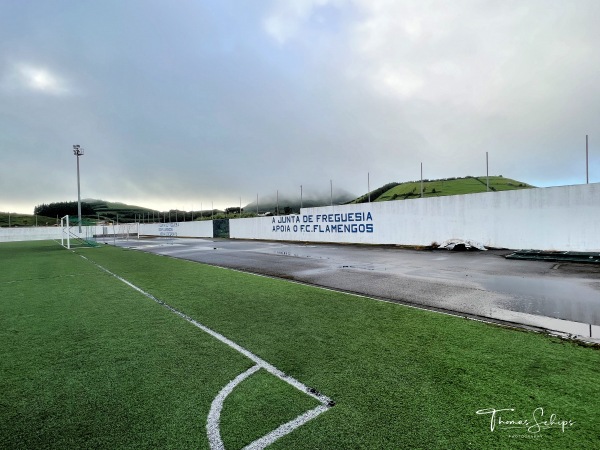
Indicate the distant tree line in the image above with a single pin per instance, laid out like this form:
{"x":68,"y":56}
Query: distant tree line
{"x":61,"y":209}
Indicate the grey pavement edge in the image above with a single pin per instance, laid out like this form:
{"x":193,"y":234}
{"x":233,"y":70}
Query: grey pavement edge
{"x":563,"y":299}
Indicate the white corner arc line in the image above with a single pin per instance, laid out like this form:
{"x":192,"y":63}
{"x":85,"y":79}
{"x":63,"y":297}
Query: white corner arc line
{"x":326,"y":402}
{"x":214,"y":415}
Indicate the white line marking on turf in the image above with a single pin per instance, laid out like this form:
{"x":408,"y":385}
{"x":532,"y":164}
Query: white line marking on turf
{"x":214,"y":415}
{"x":284,"y":429}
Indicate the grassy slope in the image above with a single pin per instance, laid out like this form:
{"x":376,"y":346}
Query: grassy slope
{"x":86,"y":361}
{"x":101,"y":205}
{"x":25,"y":220}
{"x":129,"y":212}
{"x":112,"y":209}
{"x":467,"y":185}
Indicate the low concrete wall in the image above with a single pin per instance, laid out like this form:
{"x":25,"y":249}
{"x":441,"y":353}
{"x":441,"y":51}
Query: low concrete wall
{"x":46,"y":233}
{"x":557,"y":218}
{"x":176,"y":229}
{"x":29,"y":234}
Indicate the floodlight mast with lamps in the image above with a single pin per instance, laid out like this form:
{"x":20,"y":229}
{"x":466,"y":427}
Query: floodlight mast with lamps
{"x":78,"y":151}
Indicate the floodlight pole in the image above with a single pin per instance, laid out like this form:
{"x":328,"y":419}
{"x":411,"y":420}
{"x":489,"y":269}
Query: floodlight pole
{"x":301,"y":197}
{"x":369,"y":185}
{"x":587,"y":173}
{"x":487,"y":173}
{"x":421,"y":180}
{"x":78,"y":151}
{"x":331,"y":191}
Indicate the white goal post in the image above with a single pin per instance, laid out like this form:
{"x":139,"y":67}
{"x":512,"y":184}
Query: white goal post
{"x":65,"y":239}
{"x":126,"y":231}
{"x":70,"y":237}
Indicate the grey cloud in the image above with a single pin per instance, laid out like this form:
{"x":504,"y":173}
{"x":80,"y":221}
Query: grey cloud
{"x":197,"y":102}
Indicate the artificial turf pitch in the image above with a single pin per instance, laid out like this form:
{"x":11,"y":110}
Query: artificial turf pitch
{"x":88,"y":362}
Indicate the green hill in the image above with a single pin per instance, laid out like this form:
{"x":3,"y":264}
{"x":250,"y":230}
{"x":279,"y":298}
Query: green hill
{"x":110,"y":209}
{"x":102,"y":209}
{"x":289,"y":205}
{"x":441,"y":187}
{"x":129,"y":213}
{"x":24,"y":220}
{"x":93,"y":210}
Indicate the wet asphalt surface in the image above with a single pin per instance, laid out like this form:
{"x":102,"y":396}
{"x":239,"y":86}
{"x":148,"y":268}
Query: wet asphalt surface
{"x":556,"y":296}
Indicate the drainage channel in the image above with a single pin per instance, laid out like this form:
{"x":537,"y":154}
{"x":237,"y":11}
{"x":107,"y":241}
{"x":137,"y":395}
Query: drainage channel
{"x":539,"y":255}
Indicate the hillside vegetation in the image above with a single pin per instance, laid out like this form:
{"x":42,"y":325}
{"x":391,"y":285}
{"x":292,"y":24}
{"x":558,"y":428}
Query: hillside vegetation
{"x":129,"y":213}
{"x":94,"y":209}
{"x":110,"y":210}
{"x":441,"y":187}
{"x":24,"y":220}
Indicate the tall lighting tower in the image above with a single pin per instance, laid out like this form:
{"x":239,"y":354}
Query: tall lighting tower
{"x":78,"y":151}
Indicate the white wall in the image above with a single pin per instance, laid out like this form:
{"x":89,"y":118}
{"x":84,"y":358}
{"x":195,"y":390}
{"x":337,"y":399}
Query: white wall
{"x":202,"y":228}
{"x":45,"y":233}
{"x":557,"y":218}
{"x":29,"y":234}
{"x":178,"y":229}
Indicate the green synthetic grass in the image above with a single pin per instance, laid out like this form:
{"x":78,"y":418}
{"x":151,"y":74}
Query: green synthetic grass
{"x":88,"y":362}
{"x":263,"y":397}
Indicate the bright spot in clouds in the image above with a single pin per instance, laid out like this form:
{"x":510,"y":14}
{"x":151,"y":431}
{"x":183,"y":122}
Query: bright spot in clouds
{"x":285,"y":20}
{"x":25,"y":77}
{"x":401,"y":82}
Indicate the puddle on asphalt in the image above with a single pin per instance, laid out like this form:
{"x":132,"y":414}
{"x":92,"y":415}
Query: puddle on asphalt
{"x":297,"y":255}
{"x":554,"y":298}
{"x":357,"y":267}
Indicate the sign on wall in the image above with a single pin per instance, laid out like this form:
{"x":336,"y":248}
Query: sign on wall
{"x":168,"y":229}
{"x":350,"y":222}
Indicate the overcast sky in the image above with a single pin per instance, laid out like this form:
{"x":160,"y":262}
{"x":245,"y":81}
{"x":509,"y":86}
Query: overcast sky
{"x":178,"y":103}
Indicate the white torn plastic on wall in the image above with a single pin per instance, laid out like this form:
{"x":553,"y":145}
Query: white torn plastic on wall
{"x":462,"y":245}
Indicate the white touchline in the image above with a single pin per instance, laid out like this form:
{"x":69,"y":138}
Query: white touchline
{"x":279,"y":432}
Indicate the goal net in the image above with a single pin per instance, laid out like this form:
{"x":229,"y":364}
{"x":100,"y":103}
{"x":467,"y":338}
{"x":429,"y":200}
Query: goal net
{"x":126,"y":231}
{"x":111,"y":232}
{"x":73,"y":235}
